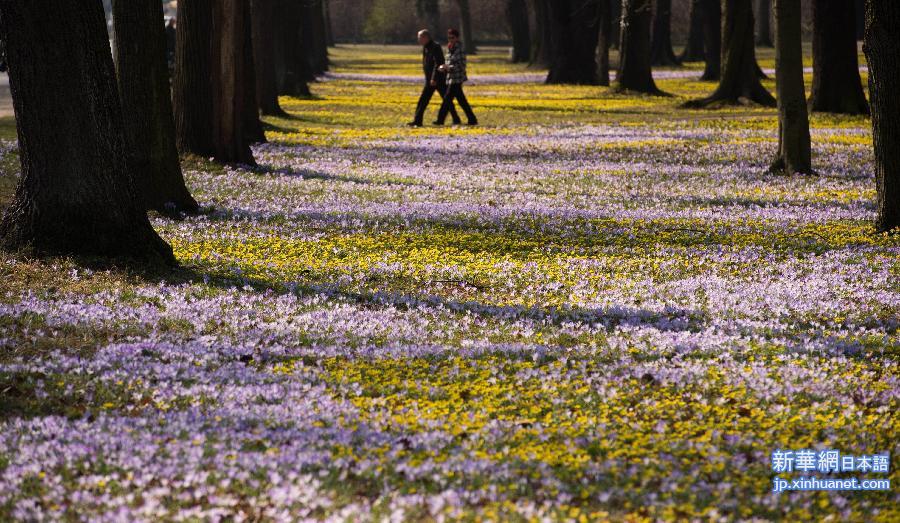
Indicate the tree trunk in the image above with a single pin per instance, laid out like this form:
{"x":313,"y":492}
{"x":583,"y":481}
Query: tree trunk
{"x":836,"y":86}
{"x":263,"y":18}
{"x":143,"y":80}
{"x":307,"y":39}
{"x":252,"y":125}
{"x":693,"y":51}
{"x":543,"y":53}
{"x":76,"y":195}
{"x":860,"y":19}
{"x":192,"y":85}
{"x":430,"y":11}
{"x":634,"y":50}
{"x":517,"y":14}
{"x":740,"y":80}
{"x":214,"y":88}
{"x":603,"y":44}
{"x":794,"y":148}
{"x":465,"y":21}
{"x":616,"y":37}
{"x":712,"y":39}
{"x":882,"y":47}
{"x":661,"y":52}
{"x":320,"y":37}
{"x":291,"y":62}
{"x":329,"y":33}
{"x":576,"y":33}
{"x":764,"y":16}
{"x":313,"y":41}
{"x":232,"y":81}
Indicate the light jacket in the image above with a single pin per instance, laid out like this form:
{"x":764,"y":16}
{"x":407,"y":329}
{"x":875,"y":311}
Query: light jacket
{"x":456,"y":65}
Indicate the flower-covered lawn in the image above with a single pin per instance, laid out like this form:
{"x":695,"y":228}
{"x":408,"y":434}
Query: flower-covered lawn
{"x":593,"y":306}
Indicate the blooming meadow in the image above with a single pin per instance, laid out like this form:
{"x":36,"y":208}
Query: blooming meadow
{"x":594,"y":306}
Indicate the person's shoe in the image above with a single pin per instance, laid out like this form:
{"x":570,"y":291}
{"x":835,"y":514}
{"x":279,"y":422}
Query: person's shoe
{"x":437,"y":123}
{"x":472,"y":124}
{"x":414,"y":124}
{"x":457,"y":122}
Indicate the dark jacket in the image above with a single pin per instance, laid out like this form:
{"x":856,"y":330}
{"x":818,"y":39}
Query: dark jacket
{"x":432,"y":58}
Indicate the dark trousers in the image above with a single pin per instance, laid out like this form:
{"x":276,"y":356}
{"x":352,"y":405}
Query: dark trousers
{"x":424,"y":100}
{"x":455,"y":91}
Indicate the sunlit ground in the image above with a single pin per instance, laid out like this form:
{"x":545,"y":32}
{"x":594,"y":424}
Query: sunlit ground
{"x":594,"y":305}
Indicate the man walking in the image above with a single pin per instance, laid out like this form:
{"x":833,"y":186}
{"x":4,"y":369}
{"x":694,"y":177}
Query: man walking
{"x":435,"y":79}
{"x":456,"y":70}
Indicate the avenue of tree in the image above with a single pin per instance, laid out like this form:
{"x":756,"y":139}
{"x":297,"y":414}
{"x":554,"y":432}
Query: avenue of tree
{"x":100,"y":148}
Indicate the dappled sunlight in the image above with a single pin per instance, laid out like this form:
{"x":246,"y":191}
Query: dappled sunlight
{"x":593,"y":305}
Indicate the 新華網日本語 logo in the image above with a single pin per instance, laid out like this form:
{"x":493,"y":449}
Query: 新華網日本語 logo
{"x":829,"y":461}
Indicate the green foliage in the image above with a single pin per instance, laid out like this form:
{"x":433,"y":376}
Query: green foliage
{"x":390,"y":21}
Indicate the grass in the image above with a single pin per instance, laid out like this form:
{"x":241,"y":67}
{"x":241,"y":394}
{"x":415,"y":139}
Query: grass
{"x":347,"y":111}
{"x":593,"y":306}
{"x":9,"y":162}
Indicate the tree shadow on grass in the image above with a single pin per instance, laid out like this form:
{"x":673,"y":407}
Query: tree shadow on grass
{"x":312,"y":174}
{"x":308,"y":174}
{"x":751,"y":203}
{"x":669,"y":319}
{"x":580,"y":233}
{"x":672,"y":319}
{"x":19,"y":399}
{"x":466,"y":157}
{"x":269,"y":126}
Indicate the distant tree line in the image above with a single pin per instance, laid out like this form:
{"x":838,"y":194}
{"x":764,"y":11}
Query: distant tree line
{"x":392,"y":21}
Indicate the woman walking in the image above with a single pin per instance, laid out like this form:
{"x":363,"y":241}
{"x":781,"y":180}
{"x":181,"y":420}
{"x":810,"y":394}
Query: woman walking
{"x":456,"y":75}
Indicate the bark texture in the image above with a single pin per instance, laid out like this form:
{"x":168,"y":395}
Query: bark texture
{"x":794,"y":148}
{"x":329,"y":33}
{"x":215,"y":89}
{"x":542,"y":52}
{"x":234,"y":93}
{"x":315,"y":40}
{"x":575,"y":32}
{"x":836,"y":85}
{"x":264,"y":55}
{"x":192,"y":85}
{"x":740,"y":82}
{"x":616,"y":6}
{"x":252,"y":124}
{"x":634,"y":49}
{"x":76,"y":195}
{"x":860,"y":19}
{"x":604,"y":42}
{"x":693,"y":51}
{"x":882,"y":47}
{"x":291,"y":62}
{"x":517,"y":14}
{"x":764,"y":23}
{"x":465,"y":22}
{"x":712,"y":39}
{"x":661,"y":53}
{"x":143,"y":81}
{"x":313,"y":44}
{"x":430,"y":12}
